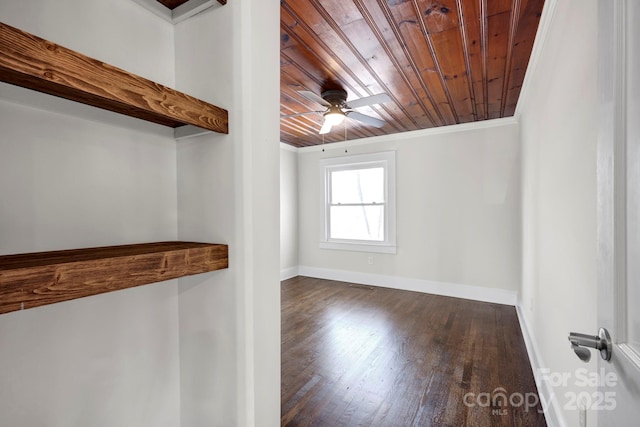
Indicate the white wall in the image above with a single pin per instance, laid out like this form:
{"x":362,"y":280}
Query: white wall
{"x":559,"y":131}
{"x":288,"y":210}
{"x":458,"y":196}
{"x":119,"y":32}
{"x":228,"y":188}
{"x":206,"y":212}
{"x":73,"y":176}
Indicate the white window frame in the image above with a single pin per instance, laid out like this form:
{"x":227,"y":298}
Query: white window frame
{"x":387,"y":160}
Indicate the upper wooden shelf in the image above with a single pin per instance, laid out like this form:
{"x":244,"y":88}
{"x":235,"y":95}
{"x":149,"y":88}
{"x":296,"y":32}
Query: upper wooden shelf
{"x":36,"y":279}
{"x":31,"y":62}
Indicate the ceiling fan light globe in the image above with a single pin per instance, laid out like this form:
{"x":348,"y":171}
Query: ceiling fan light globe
{"x":334,"y":118}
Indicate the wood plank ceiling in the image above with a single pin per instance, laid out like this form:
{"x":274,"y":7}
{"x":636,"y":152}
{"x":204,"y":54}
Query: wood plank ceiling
{"x":442,"y":62}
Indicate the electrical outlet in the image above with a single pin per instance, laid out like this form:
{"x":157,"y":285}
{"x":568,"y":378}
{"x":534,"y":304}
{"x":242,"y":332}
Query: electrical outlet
{"x":370,"y":260}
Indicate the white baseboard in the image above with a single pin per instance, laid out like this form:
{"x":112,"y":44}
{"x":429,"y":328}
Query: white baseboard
{"x":550,"y":404}
{"x":288,"y":273}
{"x":476,"y":293}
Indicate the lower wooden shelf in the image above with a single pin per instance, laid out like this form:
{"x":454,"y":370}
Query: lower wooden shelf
{"x":36,"y":279}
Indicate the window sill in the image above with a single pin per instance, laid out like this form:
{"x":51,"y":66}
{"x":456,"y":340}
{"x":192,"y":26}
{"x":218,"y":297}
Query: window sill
{"x":359,"y":247}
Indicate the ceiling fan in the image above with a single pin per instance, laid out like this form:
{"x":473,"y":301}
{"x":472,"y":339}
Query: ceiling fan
{"x":337,"y":108}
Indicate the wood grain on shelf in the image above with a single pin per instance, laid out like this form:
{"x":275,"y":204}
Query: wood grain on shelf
{"x":36,"y":279}
{"x":32,"y":62}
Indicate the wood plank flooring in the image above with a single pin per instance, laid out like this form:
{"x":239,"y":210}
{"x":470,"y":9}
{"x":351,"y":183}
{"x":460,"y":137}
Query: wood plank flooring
{"x":355,"y":355}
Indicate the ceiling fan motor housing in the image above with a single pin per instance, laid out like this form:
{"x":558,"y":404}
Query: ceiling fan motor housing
{"x":337,"y":97}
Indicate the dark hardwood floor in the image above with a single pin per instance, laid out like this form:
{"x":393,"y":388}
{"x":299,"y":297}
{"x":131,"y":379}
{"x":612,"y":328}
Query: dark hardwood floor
{"x":356,"y":355}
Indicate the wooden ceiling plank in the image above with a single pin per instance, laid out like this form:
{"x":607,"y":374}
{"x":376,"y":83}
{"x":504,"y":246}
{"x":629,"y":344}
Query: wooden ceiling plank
{"x":498,"y":45}
{"x":319,"y":66}
{"x":296,"y":128}
{"x":327,"y":17}
{"x":442,"y":15}
{"x":286,"y":108}
{"x":495,"y":7}
{"x":530,"y":12}
{"x":432,"y":52}
{"x":448,"y":49}
{"x":316,"y":83}
{"x":471,"y":15}
{"x":304,"y":123}
{"x":497,"y":26}
{"x":462,"y":27}
{"x":296,"y":55}
{"x":335,"y":59}
{"x":405,"y":19}
{"x":384,"y":7}
{"x":299,"y":103}
{"x":513,"y":28}
{"x":498,"y":19}
{"x":293,"y":80}
{"x":301,"y":77}
{"x":443,"y":61}
{"x":399,"y":69}
{"x":347,"y":70}
{"x":293,"y":104}
{"x":484,"y":48}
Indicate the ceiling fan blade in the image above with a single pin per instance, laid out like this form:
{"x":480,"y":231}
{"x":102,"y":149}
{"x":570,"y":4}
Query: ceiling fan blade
{"x":380,"y":98}
{"x":313,"y":97}
{"x":300,"y":114}
{"x":365,"y":119}
{"x":326,"y":127}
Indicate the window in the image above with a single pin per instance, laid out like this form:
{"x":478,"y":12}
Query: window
{"x":359,"y":203}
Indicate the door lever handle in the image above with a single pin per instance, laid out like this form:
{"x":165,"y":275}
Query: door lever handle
{"x":580,"y":343}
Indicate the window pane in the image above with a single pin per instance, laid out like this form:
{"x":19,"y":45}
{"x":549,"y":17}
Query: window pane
{"x":357,"y":222}
{"x":357,"y":186}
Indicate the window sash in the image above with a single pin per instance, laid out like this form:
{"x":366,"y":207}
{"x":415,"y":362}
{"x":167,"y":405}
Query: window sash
{"x":361,"y":184}
{"x":356,"y":222}
{"x":386,"y":241}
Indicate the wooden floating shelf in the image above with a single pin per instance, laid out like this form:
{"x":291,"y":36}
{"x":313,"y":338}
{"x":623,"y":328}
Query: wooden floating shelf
{"x":36,"y":279}
{"x":34,"y":63}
